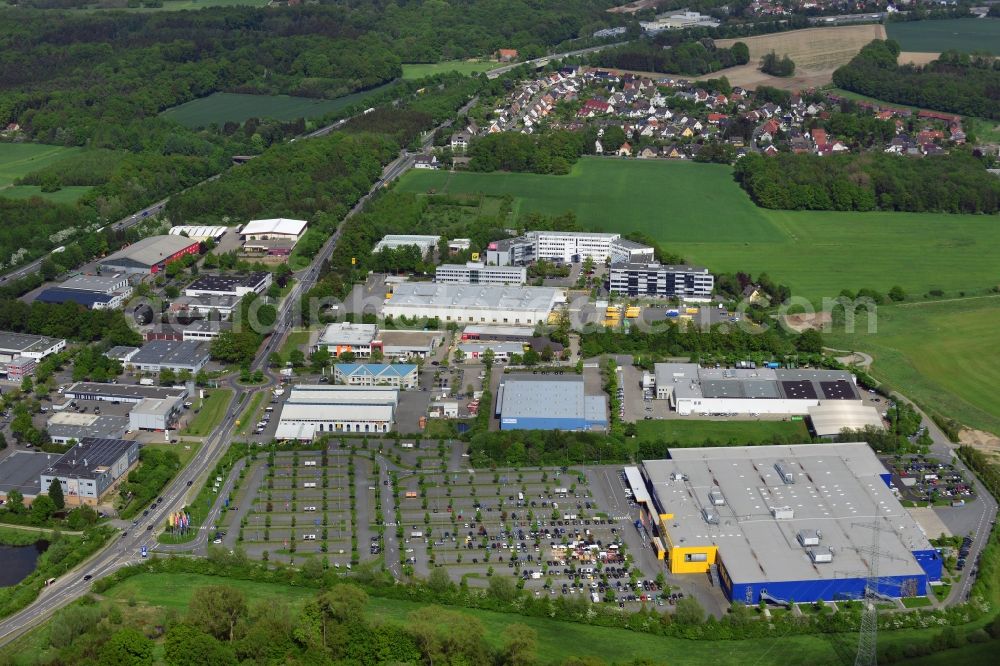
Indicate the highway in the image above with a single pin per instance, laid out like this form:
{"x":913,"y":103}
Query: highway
{"x":179,"y":493}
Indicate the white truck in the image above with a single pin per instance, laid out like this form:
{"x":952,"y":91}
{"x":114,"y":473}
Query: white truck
{"x":147,"y":381}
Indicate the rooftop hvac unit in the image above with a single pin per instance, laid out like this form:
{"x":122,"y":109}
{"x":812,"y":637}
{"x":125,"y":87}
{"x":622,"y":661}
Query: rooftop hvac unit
{"x":784,"y":471}
{"x":677,"y":476}
{"x":809,"y":537}
{"x":782,"y":512}
{"x":820,"y":555}
{"x":711,"y":517}
{"x":716,"y":497}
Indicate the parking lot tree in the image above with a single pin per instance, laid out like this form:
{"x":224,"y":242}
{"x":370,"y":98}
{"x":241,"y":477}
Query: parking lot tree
{"x":167,"y":377}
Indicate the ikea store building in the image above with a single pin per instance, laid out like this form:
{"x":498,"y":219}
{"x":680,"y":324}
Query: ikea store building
{"x":783,"y":523}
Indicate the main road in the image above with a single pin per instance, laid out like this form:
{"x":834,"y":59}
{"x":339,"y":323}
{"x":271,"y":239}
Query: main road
{"x":182,"y":490}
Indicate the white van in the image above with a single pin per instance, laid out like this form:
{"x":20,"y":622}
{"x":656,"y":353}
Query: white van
{"x":309,"y":484}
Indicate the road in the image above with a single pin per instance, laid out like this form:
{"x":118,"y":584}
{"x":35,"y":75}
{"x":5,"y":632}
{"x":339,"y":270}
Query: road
{"x":544,"y":60}
{"x":178,"y":493}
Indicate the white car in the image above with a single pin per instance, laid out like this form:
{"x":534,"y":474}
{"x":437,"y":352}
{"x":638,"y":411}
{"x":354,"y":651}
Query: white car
{"x":217,"y":541}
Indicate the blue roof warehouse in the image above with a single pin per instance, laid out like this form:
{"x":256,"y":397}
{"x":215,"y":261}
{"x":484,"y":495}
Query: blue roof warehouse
{"x":528,"y":403}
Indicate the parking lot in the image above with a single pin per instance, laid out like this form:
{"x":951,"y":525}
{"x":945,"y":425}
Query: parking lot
{"x":554,"y":531}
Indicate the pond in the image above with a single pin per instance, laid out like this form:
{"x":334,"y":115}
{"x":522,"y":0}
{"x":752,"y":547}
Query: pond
{"x":17,"y":562}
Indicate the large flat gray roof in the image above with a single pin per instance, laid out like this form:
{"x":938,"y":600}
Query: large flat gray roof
{"x":525,"y":396}
{"x":151,"y":250}
{"x":71,"y":425}
{"x":21,"y":470}
{"x":24,"y":342}
{"x":692,"y":381}
{"x":126,"y":391}
{"x":473,"y":297}
{"x":171,"y":352}
{"x":838,"y":489}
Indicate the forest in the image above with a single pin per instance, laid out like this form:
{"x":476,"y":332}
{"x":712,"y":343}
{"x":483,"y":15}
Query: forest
{"x":690,"y":57}
{"x":955,"y":82}
{"x":953,"y":183}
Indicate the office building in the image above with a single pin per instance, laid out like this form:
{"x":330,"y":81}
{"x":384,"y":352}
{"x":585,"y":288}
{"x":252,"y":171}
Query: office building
{"x":316,"y":410}
{"x":691,"y":389}
{"x":783,"y":523}
{"x":92,"y":469}
{"x":342,"y":337}
{"x":149,"y":256}
{"x":400,"y":375}
{"x":478,"y":273}
{"x":566,"y":247}
{"x":19,"y":368}
{"x":688,"y":283}
{"x":526,"y":402}
{"x":473,"y":303}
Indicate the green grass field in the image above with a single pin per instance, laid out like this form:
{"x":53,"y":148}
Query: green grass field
{"x":419,"y":71}
{"x":212,"y":410}
{"x":556,"y":639}
{"x":294,"y":340}
{"x":246,"y":418}
{"x":185,"y":450}
{"x":221,"y":107}
{"x":945,"y":355}
{"x":698,"y":210}
{"x":20,"y":159}
{"x":697,"y":433}
{"x":965,"y":35}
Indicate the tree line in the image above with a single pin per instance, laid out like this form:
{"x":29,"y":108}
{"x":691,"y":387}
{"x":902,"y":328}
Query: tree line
{"x":695,"y":57}
{"x":955,"y":82}
{"x":550,"y":152}
{"x":953,"y":183}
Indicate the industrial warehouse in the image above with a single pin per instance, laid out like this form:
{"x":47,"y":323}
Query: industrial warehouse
{"x":566,"y":247}
{"x":473,"y":303}
{"x":312,"y":410}
{"x":783,"y":523}
{"x":525,"y":402}
{"x":150,"y":255}
{"x":691,"y":389}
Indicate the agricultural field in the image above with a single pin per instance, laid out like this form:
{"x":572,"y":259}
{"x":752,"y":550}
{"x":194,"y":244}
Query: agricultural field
{"x":816,"y":52}
{"x":965,"y":35}
{"x":219,"y":108}
{"x":470,"y":67}
{"x":944,"y":354}
{"x":20,"y":159}
{"x":696,"y":433}
{"x":698,"y":210}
